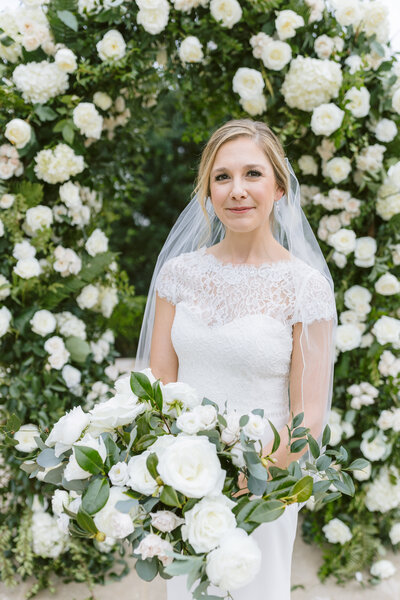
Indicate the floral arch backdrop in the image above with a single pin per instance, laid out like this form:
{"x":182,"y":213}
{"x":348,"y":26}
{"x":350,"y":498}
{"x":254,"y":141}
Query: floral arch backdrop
{"x":80,"y":80}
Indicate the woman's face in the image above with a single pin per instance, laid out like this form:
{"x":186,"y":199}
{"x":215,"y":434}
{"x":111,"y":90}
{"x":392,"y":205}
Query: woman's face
{"x":242,"y":186}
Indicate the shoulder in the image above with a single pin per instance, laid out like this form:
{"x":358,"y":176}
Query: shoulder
{"x":315,"y":299}
{"x":179,"y":264}
{"x":172,"y":279}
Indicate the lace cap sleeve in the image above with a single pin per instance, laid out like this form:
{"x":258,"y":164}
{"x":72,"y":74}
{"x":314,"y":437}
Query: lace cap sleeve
{"x":167,"y":281}
{"x":316,"y":301}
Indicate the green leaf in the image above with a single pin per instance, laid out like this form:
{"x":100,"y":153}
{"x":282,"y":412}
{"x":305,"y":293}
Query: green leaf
{"x":314,"y":447}
{"x":277,"y":437}
{"x":79,"y":349}
{"x":125,"y":506}
{"x":68,"y":133}
{"x":256,"y":486}
{"x":359,"y":463}
{"x":112,"y":450}
{"x":88,"y":459}
{"x":299,"y":432}
{"x":244,"y":419}
{"x":147,"y":569}
{"x":6,"y":40}
{"x":47,"y":458}
{"x":298,"y":445}
{"x":96,"y":495}
{"x":158,"y":397}
{"x":267,"y":511}
{"x":13,"y":423}
{"x":254,"y":466}
{"x":221,"y":420}
{"x":297,"y":420}
{"x":323,"y":462}
{"x":303,"y":489}
{"x":68,"y":18}
{"x":151,"y":463}
{"x":326,"y":436}
{"x":86,"y":521}
{"x":45,"y":113}
{"x":54,"y":476}
{"x":169,"y":496}
{"x":331,"y":497}
{"x":258,"y":411}
{"x":141,"y":386}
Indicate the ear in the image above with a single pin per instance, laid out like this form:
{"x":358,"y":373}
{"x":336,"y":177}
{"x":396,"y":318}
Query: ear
{"x":278,"y":194}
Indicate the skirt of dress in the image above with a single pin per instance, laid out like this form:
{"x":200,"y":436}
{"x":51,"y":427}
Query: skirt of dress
{"x":276,"y":542}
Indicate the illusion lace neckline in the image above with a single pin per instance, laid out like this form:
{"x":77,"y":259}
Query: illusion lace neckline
{"x":249,"y":266}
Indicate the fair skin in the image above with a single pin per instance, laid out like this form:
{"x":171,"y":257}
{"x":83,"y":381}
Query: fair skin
{"x":241,"y":176}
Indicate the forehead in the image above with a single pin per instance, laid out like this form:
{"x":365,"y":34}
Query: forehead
{"x":240,"y":151}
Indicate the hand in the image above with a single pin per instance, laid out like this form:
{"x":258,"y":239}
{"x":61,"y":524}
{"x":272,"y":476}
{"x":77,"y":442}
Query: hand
{"x":242,"y":483}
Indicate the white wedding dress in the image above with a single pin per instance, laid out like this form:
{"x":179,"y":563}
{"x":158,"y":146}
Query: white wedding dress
{"x":232,"y":333}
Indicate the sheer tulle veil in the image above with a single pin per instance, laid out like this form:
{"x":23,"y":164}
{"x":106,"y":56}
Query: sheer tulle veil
{"x":292,"y":230}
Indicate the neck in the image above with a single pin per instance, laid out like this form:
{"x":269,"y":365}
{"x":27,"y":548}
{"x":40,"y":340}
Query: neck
{"x":252,"y":246}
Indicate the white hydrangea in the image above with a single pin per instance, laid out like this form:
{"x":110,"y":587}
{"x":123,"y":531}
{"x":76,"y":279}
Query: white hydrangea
{"x":226,"y":12}
{"x":67,"y":261}
{"x":111,"y":46}
{"x":311,"y":82}
{"x":47,"y":539}
{"x":190,"y":50}
{"x":88,"y":120}
{"x":286,"y":24}
{"x":154,"y":20}
{"x":10,"y":164}
{"x":39,"y":82}
{"x":337,"y":532}
{"x":58,"y":164}
{"x":354,"y":62}
{"x":382,"y":493}
{"x":326,"y":119}
{"x":248,"y":83}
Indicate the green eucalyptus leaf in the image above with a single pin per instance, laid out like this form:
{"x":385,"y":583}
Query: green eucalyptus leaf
{"x":47,"y":458}
{"x":68,"y":18}
{"x":88,"y":459}
{"x":298,"y":445}
{"x":314,"y":446}
{"x":268,"y":511}
{"x":96,"y":495}
{"x":277,"y":437}
{"x":326,"y":436}
{"x":297,"y":420}
{"x":147,"y":569}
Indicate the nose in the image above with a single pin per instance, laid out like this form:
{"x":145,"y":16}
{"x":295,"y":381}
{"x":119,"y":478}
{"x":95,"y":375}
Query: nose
{"x":238,"y":190}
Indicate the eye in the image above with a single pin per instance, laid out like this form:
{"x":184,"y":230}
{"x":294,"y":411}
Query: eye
{"x":254,"y":173}
{"x":221,"y":177}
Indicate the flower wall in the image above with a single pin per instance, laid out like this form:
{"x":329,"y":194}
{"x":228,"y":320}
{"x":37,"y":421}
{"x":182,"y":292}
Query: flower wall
{"x":80,"y":85}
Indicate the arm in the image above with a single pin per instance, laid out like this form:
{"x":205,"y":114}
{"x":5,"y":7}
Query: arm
{"x":309,"y":382}
{"x":163,"y":358}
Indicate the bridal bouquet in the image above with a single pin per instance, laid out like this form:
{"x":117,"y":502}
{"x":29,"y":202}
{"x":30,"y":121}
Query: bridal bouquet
{"x":157,"y":467}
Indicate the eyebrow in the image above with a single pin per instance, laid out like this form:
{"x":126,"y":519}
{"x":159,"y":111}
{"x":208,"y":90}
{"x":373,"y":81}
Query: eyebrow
{"x":252,"y":166}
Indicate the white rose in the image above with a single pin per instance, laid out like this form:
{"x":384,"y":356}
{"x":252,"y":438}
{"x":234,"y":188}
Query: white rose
{"x":374,"y":449}
{"x":371,"y":158}
{"x":67,"y":261}
{"x":189,"y":422}
{"x":119,"y":473}
{"x":23,"y":250}
{"x":387,"y":331}
{"x":116,"y":412}
{"x":235,"y":562}
{"x":276,"y":55}
{"x":286,"y":24}
{"x":207,"y":522}
{"x":88,"y":297}
{"x":43,"y":322}
{"x":308,"y":165}
{"x":207,"y":415}
{"x":254,"y":106}
{"x":354,"y":62}
{"x":181,"y":396}
{"x":7,"y":200}
{"x":226,"y":12}
{"x":248,"y":83}
{"x":343,"y":241}
{"x":383,"y":569}
{"x":326,"y":119}
{"x":102,"y":100}
{"x":27,"y":268}
{"x":348,"y":337}
{"x":190,"y":50}
{"x":25,"y":438}
{"x":108,"y":300}
{"x":188,"y":456}
{"x":4,"y":287}
{"x":39,"y":217}
{"x":73,"y":470}
{"x":154,"y":20}
{"x":357,"y":101}
{"x":231,"y":432}
{"x":165,"y":520}
{"x":140,"y":479}
{"x":47,"y":540}
{"x":96,"y":243}
{"x":238,"y":457}
{"x":65,"y":59}
{"x":394,"y":175}
{"x":338,"y":168}
{"x":111,"y":46}
{"x":154,"y":545}
{"x":255,"y":427}
{"x":348,"y":429}
{"x":69,"y":194}
{"x":18,"y":132}
{"x":363,"y":474}
{"x":385,"y":130}
{"x":336,"y":434}
{"x":386,"y":420}
{"x":339,"y":259}
{"x":67,"y":430}
{"x":337,"y":532}
{"x":396,"y":101}
{"x":348,"y":12}
{"x":59,"y":500}
{"x":70,"y":325}
{"x":394,"y":534}
{"x":387,"y":285}
{"x":112,"y":522}
{"x":161,"y":444}
{"x":71,"y":376}
{"x":88,"y":120}
{"x":375,"y":20}
{"x":324,"y":46}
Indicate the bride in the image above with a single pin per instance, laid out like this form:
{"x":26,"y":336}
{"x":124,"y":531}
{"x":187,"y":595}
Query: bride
{"x":241,"y":307}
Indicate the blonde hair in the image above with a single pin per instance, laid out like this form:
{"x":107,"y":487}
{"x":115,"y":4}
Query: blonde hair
{"x":261,"y":134}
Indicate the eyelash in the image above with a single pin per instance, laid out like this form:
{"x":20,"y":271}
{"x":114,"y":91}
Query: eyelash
{"x":257,"y":174}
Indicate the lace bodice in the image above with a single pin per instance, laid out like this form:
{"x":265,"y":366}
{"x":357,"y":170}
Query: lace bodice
{"x":232,"y":330}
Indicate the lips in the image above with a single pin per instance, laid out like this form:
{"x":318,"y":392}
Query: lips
{"x":241,"y":209}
